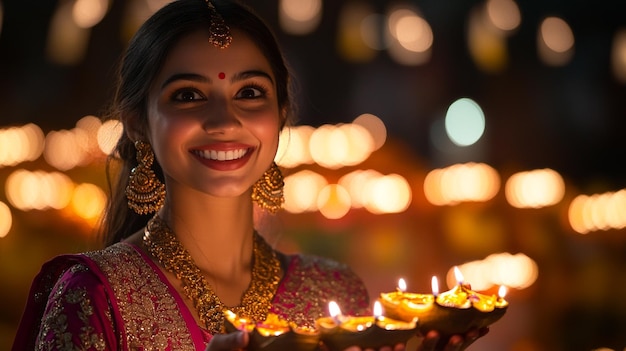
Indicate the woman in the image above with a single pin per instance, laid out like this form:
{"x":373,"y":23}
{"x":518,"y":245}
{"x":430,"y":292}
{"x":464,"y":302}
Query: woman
{"x":203,"y":94}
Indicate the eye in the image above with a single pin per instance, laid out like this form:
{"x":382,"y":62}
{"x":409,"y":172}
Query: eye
{"x":187,"y":96}
{"x":250,"y":92}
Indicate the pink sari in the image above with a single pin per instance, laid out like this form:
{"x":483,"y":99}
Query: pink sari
{"x":117,"y":299}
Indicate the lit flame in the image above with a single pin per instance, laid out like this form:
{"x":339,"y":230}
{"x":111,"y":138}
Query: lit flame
{"x":334,"y":310}
{"x":502,"y":291}
{"x":458,"y":276}
{"x":378,"y":309}
{"x":401,"y":285}
{"x":434,"y":283}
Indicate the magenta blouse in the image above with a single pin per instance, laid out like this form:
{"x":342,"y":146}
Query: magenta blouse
{"x":118,"y":299}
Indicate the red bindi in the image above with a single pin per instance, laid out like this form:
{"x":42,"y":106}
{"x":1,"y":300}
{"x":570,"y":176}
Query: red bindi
{"x":221,"y":75}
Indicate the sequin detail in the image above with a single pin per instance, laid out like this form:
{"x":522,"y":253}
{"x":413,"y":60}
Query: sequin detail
{"x":311,"y":283}
{"x":152,"y":320}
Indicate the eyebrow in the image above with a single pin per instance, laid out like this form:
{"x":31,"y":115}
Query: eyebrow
{"x":202,"y":79}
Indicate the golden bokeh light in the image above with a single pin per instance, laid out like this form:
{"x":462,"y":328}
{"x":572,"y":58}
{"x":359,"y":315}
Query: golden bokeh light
{"x":358,"y":33}
{"x":388,"y":194}
{"x":67,"y":42}
{"x":299,"y":17}
{"x":588,"y":213}
{"x":38,"y":190}
{"x":535,"y":189}
{"x":375,"y":126}
{"x":618,"y":55}
{"x":333,"y":201}
{"x":108,"y":135}
{"x":88,"y":13}
{"x":475,"y":182}
{"x":88,"y":202}
{"x":503,"y":14}
{"x":302,"y":190}
{"x":293,"y":146}
{"x":555,"y":41}
{"x":6,"y":219}
{"x":65,"y":149}
{"x":356,"y":183}
{"x":410,"y":36}
{"x":20,"y":144}
{"x":486,"y":45}
{"x":500,"y":269}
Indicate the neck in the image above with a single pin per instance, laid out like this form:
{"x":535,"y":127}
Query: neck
{"x":217,"y":232}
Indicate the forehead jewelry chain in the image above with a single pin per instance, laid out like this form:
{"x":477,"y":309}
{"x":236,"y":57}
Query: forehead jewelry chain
{"x":256,"y":301}
{"x":219,"y":33}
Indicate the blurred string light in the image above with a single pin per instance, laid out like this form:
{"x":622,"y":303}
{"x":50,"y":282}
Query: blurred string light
{"x":39,"y":190}
{"x":299,"y":17}
{"x":618,"y":55}
{"x":464,"y":122}
{"x":409,"y":36}
{"x":20,"y":144}
{"x":515,"y":271}
{"x":555,"y":41}
{"x":331,"y":146}
{"x":489,"y":25}
{"x":359,"y":35}
{"x":6,"y":219}
{"x":535,"y":189}
{"x":595,"y":212}
{"x":468,"y":182}
{"x":307,"y":191}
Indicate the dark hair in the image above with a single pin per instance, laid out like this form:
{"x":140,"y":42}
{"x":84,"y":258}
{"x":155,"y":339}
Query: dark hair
{"x":140,"y":64}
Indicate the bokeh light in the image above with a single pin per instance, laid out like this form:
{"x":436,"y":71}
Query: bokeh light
{"x":555,"y":41}
{"x":299,"y":17}
{"x":6,"y":219}
{"x":464,"y":122}
{"x":109,"y":134}
{"x":501,"y":269}
{"x":604,"y":211}
{"x":88,"y":13}
{"x":302,"y":191}
{"x":475,"y":182}
{"x":333,"y":201}
{"x":535,"y":189}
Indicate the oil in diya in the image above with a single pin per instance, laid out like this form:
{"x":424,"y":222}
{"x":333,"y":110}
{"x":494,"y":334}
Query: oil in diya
{"x":273,"y":334}
{"x":452,"y":312}
{"x":339,"y":332}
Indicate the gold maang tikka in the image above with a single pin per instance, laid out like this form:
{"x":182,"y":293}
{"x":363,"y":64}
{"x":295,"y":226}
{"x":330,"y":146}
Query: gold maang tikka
{"x":219,"y":33}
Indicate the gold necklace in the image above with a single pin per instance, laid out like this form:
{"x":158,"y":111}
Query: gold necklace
{"x":162,"y":244}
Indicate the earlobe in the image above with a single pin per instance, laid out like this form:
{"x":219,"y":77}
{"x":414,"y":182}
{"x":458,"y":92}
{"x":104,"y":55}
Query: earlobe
{"x":133,"y":127}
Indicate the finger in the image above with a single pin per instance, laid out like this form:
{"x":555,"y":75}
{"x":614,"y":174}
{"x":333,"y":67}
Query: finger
{"x":400,"y":347}
{"x":430,"y":341}
{"x":454,"y":343}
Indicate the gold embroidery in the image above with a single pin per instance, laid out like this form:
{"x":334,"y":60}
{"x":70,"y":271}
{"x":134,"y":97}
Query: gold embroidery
{"x":55,"y":321}
{"x":152,"y":319}
{"x":311,"y":284}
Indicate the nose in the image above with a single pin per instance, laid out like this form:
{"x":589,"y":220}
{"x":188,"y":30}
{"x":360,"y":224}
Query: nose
{"x":220,"y":117}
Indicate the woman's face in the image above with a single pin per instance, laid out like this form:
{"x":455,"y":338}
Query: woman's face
{"x":213,"y":115}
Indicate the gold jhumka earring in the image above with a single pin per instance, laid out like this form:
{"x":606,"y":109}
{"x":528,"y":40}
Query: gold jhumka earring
{"x":145,"y":192}
{"x":219,"y":33}
{"x":267,"y":192}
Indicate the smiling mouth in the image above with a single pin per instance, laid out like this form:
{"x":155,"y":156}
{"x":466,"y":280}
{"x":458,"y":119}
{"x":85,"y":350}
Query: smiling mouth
{"x":215,"y":155}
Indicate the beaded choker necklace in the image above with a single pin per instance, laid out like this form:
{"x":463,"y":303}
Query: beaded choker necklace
{"x":162,"y":244}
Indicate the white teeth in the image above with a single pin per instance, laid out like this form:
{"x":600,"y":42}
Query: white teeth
{"x":222,"y":155}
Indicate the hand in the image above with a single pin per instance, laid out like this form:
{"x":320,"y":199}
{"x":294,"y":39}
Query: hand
{"x":228,"y":342}
{"x":433,"y":341}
